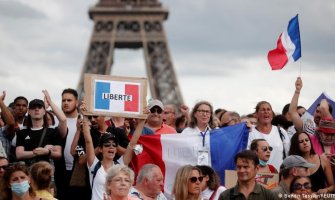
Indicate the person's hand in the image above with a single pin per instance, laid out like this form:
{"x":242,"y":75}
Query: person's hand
{"x":298,"y":84}
{"x":79,"y":124}
{"x":107,"y":197}
{"x":83,"y":107}
{"x":2,"y":97}
{"x":47,"y":99}
{"x":323,"y":191}
{"x":39,"y":151}
{"x":184,"y":109}
{"x":126,"y":126}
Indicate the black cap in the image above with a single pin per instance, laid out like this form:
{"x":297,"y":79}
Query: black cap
{"x":107,"y":137}
{"x":36,"y":103}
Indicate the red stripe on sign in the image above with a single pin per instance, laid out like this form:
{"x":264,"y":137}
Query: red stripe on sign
{"x":133,"y":90}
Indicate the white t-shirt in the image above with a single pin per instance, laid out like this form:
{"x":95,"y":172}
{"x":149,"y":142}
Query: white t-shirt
{"x":99,"y":181}
{"x":274,"y":140}
{"x":206,"y":194}
{"x":72,"y":128}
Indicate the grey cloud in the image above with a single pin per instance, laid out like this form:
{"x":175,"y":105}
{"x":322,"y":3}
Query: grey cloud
{"x":18,"y":10}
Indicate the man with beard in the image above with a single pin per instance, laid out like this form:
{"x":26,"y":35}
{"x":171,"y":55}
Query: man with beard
{"x":64,"y":166}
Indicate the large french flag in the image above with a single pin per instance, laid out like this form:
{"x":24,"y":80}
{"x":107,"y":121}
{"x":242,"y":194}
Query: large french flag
{"x":117,"y":96}
{"x":171,"y":151}
{"x":288,"y":46}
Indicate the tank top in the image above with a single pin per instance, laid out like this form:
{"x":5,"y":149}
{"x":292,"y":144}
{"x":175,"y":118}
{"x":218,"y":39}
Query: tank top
{"x":318,"y":179}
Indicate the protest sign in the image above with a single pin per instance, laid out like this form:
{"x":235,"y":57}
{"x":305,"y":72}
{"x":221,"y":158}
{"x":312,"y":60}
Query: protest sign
{"x":115,"y":96}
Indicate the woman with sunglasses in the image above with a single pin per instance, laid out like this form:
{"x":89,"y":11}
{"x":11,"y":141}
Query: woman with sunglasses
{"x":210,"y":186}
{"x":321,"y":176}
{"x":187,"y":183}
{"x":263,"y":150}
{"x":16,"y":183}
{"x":301,"y":189}
{"x":107,"y":147}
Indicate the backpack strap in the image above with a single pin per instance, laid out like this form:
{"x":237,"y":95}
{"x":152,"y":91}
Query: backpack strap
{"x":282,"y":137}
{"x":95,"y":170}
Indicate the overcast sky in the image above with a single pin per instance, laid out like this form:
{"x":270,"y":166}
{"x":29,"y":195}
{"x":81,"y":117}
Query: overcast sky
{"x":218,"y":49}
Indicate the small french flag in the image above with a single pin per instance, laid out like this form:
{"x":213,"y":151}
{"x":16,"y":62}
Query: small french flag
{"x":288,"y":46}
{"x":115,"y":96}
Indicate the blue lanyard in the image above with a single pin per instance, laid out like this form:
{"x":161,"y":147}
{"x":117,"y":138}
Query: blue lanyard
{"x":203,"y":134}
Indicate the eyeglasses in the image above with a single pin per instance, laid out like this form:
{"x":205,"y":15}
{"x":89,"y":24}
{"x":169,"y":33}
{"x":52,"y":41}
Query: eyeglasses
{"x":109,"y":144}
{"x":90,"y":117}
{"x":4,"y":167}
{"x":304,"y":140}
{"x":194,"y":179}
{"x":207,"y":112}
{"x":156,"y":109}
{"x":266,"y":148}
{"x":298,"y":186}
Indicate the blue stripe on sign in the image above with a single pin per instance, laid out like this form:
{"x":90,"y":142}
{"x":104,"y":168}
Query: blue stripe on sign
{"x":100,"y":88}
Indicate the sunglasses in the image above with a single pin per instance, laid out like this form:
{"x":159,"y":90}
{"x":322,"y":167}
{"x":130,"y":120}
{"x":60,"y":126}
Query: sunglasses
{"x":298,"y":186}
{"x":90,"y":117}
{"x":109,"y":144}
{"x":4,"y":167}
{"x":194,"y":179}
{"x":155,"y":109}
{"x":266,"y":148}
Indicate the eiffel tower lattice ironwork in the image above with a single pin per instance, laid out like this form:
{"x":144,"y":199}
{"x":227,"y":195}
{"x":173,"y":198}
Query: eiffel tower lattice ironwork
{"x":132,"y":24}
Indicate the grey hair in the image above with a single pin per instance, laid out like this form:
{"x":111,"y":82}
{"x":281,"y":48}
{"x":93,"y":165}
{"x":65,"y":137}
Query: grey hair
{"x":146,"y":172}
{"x":116,"y":170}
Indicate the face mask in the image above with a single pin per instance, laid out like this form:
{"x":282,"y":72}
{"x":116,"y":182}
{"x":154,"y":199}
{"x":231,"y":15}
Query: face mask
{"x":262,"y":163}
{"x":20,"y":188}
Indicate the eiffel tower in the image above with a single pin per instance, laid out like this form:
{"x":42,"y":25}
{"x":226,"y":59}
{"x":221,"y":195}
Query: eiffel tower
{"x":132,"y":24}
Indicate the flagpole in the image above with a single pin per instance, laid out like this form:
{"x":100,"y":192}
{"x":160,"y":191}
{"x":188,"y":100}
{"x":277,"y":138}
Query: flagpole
{"x":300,"y":68}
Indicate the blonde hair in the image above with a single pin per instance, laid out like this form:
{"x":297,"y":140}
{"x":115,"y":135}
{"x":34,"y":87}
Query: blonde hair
{"x":180,"y":186}
{"x":41,"y":173}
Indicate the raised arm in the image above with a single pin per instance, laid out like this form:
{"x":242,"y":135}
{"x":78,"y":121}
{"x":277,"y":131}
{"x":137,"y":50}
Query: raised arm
{"x":87,"y":135}
{"x":62,"y":125}
{"x":297,"y":121}
{"x":8,"y":117}
{"x":324,"y":109}
{"x":128,"y":155}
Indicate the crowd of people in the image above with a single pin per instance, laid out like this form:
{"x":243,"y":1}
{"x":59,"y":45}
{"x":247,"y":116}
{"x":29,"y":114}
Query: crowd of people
{"x":48,"y":152}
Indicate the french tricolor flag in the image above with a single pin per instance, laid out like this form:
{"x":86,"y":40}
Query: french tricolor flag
{"x":116,"y":96}
{"x":288,"y":46}
{"x":171,"y":151}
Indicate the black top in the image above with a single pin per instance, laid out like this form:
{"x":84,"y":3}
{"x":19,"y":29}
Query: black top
{"x":318,"y":179}
{"x":30,"y":139}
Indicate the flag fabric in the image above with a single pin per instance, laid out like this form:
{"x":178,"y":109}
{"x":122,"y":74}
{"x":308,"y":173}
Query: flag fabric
{"x":288,"y":46}
{"x":171,"y":151}
{"x":315,"y":104}
{"x":117,"y":96}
